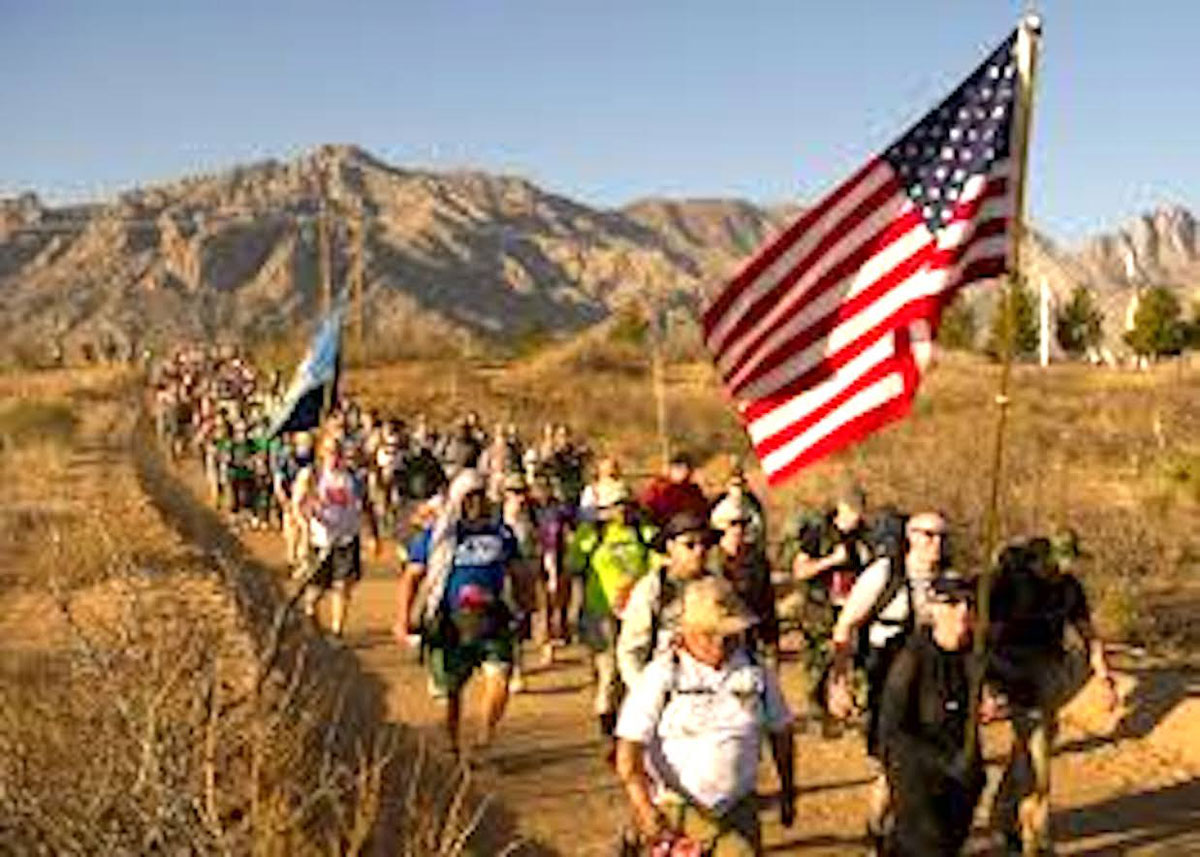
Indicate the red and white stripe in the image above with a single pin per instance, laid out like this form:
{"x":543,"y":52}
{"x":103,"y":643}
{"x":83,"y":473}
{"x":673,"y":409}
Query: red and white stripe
{"x":819,"y":339}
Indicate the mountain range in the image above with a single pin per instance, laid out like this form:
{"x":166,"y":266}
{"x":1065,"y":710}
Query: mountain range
{"x":441,"y":257}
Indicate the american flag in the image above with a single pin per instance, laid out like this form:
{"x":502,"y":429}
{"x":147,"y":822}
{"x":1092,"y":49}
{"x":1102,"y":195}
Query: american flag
{"x":821,"y":338}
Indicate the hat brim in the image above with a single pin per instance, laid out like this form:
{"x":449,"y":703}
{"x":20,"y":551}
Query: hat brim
{"x":660,"y":540}
{"x":730,"y":626}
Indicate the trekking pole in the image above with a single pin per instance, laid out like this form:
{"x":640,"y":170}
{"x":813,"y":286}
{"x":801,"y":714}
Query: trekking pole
{"x":304,"y":576}
{"x":1029,"y":34}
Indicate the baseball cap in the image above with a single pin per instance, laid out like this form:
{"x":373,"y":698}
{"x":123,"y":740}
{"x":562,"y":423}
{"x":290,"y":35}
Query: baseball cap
{"x":952,"y":585}
{"x":682,"y":523}
{"x":734,"y":508}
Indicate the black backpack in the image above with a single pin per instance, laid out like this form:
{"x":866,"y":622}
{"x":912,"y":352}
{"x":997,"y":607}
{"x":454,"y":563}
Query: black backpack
{"x":887,"y":539}
{"x":423,"y":475}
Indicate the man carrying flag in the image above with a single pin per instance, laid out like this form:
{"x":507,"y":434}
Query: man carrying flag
{"x":822,"y":337}
{"x":314,"y":386}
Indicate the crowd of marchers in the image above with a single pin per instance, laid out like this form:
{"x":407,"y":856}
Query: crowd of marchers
{"x":508,"y":549}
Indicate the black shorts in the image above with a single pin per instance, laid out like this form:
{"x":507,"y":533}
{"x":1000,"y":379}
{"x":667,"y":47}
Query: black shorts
{"x":342,"y":564}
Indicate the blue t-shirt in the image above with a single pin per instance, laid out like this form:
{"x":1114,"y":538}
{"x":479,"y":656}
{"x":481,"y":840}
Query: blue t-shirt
{"x":476,"y":581}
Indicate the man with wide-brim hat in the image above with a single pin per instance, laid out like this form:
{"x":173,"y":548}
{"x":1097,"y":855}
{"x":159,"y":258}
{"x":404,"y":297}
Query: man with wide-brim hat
{"x":691,"y":729}
{"x":611,"y":554}
{"x":656,"y":602}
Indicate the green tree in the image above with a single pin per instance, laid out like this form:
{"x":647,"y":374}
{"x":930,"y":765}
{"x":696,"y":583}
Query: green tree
{"x":1192,"y":333}
{"x":1158,"y":325}
{"x":957,"y":330}
{"x":1024,"y":331}
{"x":1078,"y":325}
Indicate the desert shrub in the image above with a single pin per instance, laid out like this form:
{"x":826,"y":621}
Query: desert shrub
{"x":1158,"y":326}
{"x":1079,"y":324}
{"x":1181,"y":472}
{"x":25,"y":422}
{"x":629,"y":325}
{"x":958,"y":326}
{"x":160,"y":728}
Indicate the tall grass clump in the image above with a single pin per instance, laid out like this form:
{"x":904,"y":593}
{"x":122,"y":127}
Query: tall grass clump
{"x":25,"y":422}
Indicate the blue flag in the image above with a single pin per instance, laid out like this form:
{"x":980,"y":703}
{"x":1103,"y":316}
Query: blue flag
{"x":315,"y":381}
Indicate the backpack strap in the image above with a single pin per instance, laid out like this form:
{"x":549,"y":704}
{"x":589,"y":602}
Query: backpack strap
{"x":897,"y":581}
{"x":655,"y":611}
{"x":673,"y":682}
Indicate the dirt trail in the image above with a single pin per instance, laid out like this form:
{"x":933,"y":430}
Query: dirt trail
{"x":1138,"y":794}
{"x":1135,"y":795}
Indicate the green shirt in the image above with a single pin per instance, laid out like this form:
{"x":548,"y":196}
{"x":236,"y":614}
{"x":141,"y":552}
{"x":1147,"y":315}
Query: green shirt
{"x":610,"y":563}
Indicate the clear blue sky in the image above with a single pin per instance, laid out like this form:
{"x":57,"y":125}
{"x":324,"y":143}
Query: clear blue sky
{"x":603,"y":101}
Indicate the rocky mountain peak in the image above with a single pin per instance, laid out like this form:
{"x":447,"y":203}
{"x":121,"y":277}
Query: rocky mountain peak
{"x":235,"y":255}
{"x":1159,"y":245}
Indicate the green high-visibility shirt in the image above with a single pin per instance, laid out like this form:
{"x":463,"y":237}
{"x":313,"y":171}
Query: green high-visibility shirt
{"x":610,"y":562}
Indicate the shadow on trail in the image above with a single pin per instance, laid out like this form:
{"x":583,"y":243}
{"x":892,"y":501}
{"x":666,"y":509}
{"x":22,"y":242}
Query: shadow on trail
{"x":772,"y":796}
{"x":259,"y":596}
{"x":1168,"y":818}
{"x":1156,"y":693}
{"x":555,"y":690}
{"x":545,"y":756}
{"x":789,"y":846}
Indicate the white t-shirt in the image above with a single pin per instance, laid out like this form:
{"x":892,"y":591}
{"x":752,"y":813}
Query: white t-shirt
{"x":702,"y":727}
{"x":338,"y":515}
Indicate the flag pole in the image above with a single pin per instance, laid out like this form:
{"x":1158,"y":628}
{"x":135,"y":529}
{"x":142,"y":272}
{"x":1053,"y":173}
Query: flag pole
{"x":657,"y":330}
{"x":1029,"y":34}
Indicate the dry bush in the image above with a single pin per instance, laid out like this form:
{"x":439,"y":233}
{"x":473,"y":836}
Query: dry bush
{"x":65,"y":385}
{"x":161,"y":729}
{"x":28,"y":421}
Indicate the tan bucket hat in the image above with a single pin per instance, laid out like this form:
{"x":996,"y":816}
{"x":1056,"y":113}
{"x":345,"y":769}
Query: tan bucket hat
{"x":710,"y":605}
